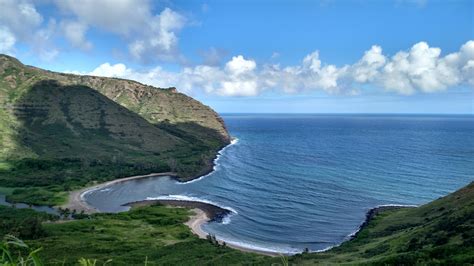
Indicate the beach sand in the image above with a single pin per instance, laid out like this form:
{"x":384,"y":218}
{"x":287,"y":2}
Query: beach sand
{"x":77,"y":202}
{"x":203,"y":212}
{"x":196,"y":221}
{"x":200,"y":217}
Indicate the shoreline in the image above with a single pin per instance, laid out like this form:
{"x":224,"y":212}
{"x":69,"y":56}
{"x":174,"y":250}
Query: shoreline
{"x":76,"y":198}
{"x":370,"y":215}
{"x":203,"y":213}
{"x":211,"y":167}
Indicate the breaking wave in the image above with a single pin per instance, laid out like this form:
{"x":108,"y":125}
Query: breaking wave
{"x":215,"y":162}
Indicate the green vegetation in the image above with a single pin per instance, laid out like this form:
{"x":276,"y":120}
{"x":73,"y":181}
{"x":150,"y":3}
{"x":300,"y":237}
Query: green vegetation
{"x":61,"y":132}
{"x":155,"y":234}
{"x":11,"y":253}
{"x":23,"y":223}
{"x":441,"y":232}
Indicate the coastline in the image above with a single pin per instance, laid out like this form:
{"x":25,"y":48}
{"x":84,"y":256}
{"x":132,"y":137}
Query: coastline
{"x":202,"y":213}
{"x":76,"y":198}
{"x":211,"y":167}
{"x":371,"y":214}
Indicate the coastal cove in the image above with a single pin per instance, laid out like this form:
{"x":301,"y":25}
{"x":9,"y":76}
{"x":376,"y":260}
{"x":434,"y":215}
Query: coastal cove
{"x":327,"y":211}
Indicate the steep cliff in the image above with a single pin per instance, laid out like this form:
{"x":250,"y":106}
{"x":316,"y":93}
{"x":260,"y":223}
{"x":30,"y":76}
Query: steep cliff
{"x":59,"y":131}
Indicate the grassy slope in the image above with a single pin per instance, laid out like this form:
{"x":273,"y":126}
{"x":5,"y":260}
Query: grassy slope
{"x":156,"y":234}
{"x":441,"y":232}
{"x":59,"y":132}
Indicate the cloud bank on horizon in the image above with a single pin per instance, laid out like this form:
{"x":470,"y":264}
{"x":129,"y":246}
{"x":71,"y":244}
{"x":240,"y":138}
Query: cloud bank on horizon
{"x":152,"y":36}
{"x":420,"y":69}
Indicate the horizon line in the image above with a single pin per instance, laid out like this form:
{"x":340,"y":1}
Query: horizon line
{"x":296,"y":113}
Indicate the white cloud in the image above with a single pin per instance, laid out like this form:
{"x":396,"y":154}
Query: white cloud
{"x":240,"y":78}
{"x":21,"y":22}
{"x":420,"y":69}
{"x":20,"y":17}
{"x":240,"y":66}
{"x":367,"y":68}
{"x":149,"y":36}
{"x":108,"y":70}
{"x":7,"y":41}
{"x":159,"y":37}
{"x":423,"y":69}
{"x":121,"y":17}
{"x":75,"y":32}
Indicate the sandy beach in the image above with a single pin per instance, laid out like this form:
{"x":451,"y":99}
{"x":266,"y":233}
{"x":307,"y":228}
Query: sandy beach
{"x":196,"y":221}
{"x":200,"y":217}
{"x":203,"y":212}
{"x":77,"y":202}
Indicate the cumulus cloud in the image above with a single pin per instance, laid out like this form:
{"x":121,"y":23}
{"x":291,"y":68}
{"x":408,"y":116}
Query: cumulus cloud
{"x":149,"y":36}
{"x":108,"y":70}
{"x":7,"y":41}
{"x":21,"y":22}
{"x":420,"y":69}
{"x":75,"y":33}
{"x":159,"y":38}
{"x":367,"y":68}
{"x":122,"y":17}
{"x":20,"y":17}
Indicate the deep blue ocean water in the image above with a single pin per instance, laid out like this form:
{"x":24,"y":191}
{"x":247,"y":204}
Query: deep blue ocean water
{"x":307,"y":181}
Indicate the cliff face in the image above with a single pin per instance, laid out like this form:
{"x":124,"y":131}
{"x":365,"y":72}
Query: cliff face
{"x":156,"y":105}
{"x":66,"y":130}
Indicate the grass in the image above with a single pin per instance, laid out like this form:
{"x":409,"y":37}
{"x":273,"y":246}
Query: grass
{"x":155,"y":233}
{"x":62,"y":132}
{"x":441,"y":232}
{"x":7,"y":190}
{"x":23,"y":223}
{"x":38,"y":196}
{"x":58,"y":137}
{"x":5,"y":166}
{"x":11,"y":255}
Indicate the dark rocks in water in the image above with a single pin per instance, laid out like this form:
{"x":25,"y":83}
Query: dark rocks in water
{"x":372,"y":213}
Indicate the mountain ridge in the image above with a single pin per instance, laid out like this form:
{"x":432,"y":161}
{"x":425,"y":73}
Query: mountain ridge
{"x":61,"y":131}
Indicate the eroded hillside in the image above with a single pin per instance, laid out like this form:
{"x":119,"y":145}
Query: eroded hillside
{"x":60,"y":131}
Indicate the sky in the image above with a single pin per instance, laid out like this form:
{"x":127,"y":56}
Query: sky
{"x":400,"y":56}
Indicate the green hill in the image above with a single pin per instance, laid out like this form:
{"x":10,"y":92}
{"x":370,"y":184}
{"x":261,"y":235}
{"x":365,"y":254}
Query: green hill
{"x":438,"y":233}
{"x":61,"y":131}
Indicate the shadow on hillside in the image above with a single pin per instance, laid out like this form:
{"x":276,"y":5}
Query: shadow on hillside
{"x":53,"y":147}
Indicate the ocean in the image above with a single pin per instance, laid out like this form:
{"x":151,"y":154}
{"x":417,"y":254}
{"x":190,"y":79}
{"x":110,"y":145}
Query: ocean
{"x":296,"y":181}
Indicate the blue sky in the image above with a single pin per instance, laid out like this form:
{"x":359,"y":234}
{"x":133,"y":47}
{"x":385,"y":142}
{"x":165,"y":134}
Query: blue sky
{"x":262,"y":56}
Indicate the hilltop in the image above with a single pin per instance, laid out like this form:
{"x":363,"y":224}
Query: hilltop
{"x":61,"y":131}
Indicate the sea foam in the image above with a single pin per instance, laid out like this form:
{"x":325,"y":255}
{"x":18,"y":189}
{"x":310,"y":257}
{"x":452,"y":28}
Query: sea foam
{"x":234,"y":141}
{"x":194,"y":199}
{"x":251,"y":246}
